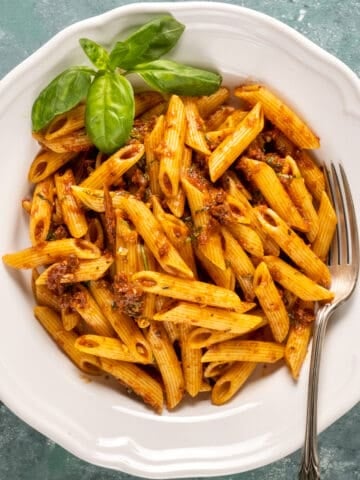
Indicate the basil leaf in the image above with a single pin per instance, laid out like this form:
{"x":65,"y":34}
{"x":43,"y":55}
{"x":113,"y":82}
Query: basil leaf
{"x":61,"y":95}
{"x":148,"y":43}
{"x":172,"y":77}
{"x":110,"y":109}
{"x":96,"y":53}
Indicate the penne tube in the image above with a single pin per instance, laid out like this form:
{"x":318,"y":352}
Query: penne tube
{"x":215,"y":137}
{"x":77,"y":141}
{"x":296,"y":282}
{"x":152,"y":142}
{"x":218,"y":117}
{"x":313,"y":175}
{"x":72,"y":212}
{"x":238,"y":191}
{"x":85,"y":305}
{"x":244,"y":351}
{"x":235,"y":143}
{"x":201,"y":337}
{"x":248,"y":238}
{"x":123,"y":325}
{"x":154,"y":237}
{"x":216,"y":369}
{"x":294,"y":246}
{"x":195,"y":137}
{"x":209,"y":240}
{"x":66,"y":123}
{"x":137,"y":380}
{"x":231,"y":381}
{"x":188,"y":290}
{"x":70,"y":319}
{"x":46,"y":163}
{"x":167,"y":363}
{"x":234,"y":119}
{"x":42,"y":206}
{"x":95,"y":233}
{"x":126,"y":257}
{"x":177,"y":204}
{"x":271,"y":302}
{"x":52,"y":323}
{"x":327,"y":227}
{"x":146,"y":100}
{"x":172,"y":147}
{"x":222,"y":278}
{"x":266,"y":180}
{"x":49,"y":252}
{"x":280,"y":115}
{"x":93,"y":199}
{"x":177,"y":232}
{"x":208,"y":104}
{"x":81,"y":271}
{"x":105,"y":347}
{"x":300,"y":196}
{"x":47,"y":298}
{"x":240,"y":263}
{"x":190,"y":362}
{"x":172,"y":330}
{"x":212,"y":318}
{"x":296,"y":347}
{"x":112,"y":169}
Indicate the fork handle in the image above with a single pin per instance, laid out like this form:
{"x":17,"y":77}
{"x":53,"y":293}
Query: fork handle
{"x":310,"y":465}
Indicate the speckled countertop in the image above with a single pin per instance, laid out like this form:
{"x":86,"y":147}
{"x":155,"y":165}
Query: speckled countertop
{"x":24,"y":26}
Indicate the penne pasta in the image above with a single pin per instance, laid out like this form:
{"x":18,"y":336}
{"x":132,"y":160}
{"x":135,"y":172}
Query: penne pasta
{"x":72,"y":213}
{"x":294,"y":246}
{"x":213,"y":318}
{"x":244,"y":351}
{"x":189,"y":290}
{"x":42,"y":206}
{"x":327,"y":227}
{"x":195,"y":136}
{"x":279,"y":114}
{"x":154,"y":237}
{"x":70,"y":271}
{"x":105,"y":347}
{"x":230,"y":382}
{"x":235,"y":143}
{"x":49,"y":252}
{"x":209,"y":239}
{"x":296,"y":347}
{"x":66,"y":123}
{"x":172,"y":147}
{"x":111,"y":171}
{"x":296,"y":282}
{"x":152,"y":142}
{"x":266,"y":180}
{"x":168,"y":364}
{"x":271,"y":302}
{"x":208,"y":104}
{"x":46,"y":163}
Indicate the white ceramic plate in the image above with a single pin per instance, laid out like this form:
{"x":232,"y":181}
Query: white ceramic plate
{"x":92,"y":420}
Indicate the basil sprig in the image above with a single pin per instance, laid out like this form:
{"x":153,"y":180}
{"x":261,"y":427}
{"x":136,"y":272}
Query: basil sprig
{"x":109,"y":96}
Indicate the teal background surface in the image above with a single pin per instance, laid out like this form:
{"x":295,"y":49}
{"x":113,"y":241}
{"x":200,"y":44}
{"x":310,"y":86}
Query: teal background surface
{"x":27,"y":24}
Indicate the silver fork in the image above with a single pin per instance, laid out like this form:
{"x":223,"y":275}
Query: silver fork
{"x":344,"y":269}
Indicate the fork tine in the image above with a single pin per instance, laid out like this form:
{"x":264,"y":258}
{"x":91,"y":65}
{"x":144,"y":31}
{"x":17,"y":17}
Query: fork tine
{"x":352,"y":223}
{"x":334,"y":248}
{"x":342,"y":225}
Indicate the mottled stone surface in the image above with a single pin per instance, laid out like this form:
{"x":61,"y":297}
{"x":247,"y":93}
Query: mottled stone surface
{"x":24,"y":26}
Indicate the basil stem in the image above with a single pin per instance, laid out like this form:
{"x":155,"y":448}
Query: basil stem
{"x":148,"y":43}
{"x":172,"y":77}
{"x":95,"y":52}
{"x":110,"y":109}
{"x":61,"y":95}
